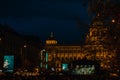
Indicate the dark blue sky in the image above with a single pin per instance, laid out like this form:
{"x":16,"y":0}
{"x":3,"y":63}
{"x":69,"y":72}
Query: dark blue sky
{"x":40,"y":17}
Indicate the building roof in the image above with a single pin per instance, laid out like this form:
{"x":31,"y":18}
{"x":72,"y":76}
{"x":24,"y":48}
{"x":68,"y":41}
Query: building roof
{"x":51,"y":37}
{"x":98,"y":20}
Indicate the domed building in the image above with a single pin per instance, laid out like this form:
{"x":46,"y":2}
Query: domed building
{"x":51,"y":40}
{"x":94,"y":48}
{"x":59,"y":54}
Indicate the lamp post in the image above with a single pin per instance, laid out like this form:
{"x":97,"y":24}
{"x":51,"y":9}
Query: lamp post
{"x":22,"y":55}
{"x":43,"y":60}
{"x":42,"y":57}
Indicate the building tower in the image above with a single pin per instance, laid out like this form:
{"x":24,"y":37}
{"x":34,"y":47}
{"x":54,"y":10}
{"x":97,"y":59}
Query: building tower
{"x":50,"y":47}
{"x":96,"y":40}
{"x":98,"y":31}
{"x":47,"y":53}
{"x":51,"y":40}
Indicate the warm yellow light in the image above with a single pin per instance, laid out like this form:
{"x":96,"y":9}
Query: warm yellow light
{"x":113,"y":20}
{"x":51,"y":42}
{"x":25,"y":46}
{"x":98,"y":14}
{"x":47,"y":42}
{"x":102,"y":65}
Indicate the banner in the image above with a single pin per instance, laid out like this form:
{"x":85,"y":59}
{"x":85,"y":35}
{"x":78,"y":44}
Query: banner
{"x":8,"y":64}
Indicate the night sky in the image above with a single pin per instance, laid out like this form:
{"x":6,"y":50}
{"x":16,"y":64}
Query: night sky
{"x":40,"y":17}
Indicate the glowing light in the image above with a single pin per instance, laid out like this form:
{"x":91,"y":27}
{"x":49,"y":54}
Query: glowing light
{"x":98,"y":14}
{"x":46,"y":57}
{"x":65,"y":67}
{"x":113,"y":20}
{"x":84,"y":69}
{"x":46,"y":66}
{"x":46,"y":60}
{"x":8,"y":63}
{"x":25,"y":46}
{"x":52,"y":69}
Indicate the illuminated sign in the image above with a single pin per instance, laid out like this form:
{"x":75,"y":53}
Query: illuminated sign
{"x":8,"y":64}
{"x":84,"y":70}
{"x":64,"y":67}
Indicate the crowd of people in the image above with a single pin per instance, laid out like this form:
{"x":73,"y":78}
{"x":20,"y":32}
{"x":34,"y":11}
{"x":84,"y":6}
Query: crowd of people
{"x":55,"y":77}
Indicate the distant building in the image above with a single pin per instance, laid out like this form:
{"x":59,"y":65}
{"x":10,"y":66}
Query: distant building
{"x":94,"y":49}
{"x":97,"y":45}
{"x":58,"y":54}
{"x":24,"y":48}
{"x":10,"y":44}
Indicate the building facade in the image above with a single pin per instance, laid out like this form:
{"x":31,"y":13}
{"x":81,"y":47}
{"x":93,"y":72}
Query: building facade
{"x":94,"y":49}
{"x":12,"y":43}
{"x":59,"y":54}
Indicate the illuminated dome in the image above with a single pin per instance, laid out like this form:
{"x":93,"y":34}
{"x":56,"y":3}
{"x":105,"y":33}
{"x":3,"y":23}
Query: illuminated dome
{"x":51,"y":40}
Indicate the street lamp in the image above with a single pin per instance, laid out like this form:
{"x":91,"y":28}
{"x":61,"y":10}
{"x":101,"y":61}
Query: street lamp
{"x":113,"y":20}
{"x":44,"y":59}
{"x":22,"y":55}
{"x":21,"y":50}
